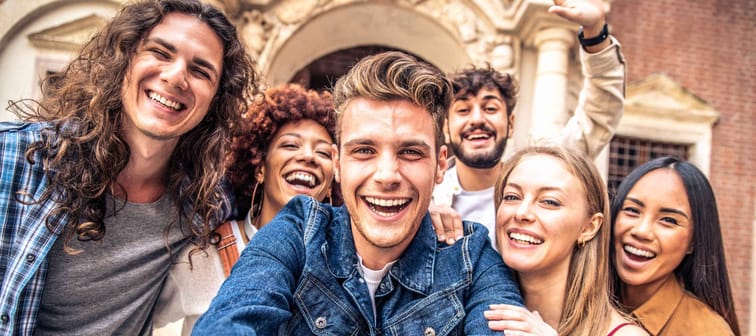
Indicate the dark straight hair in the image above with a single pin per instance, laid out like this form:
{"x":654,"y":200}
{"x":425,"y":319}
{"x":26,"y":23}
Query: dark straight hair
{"x":704,"y":271}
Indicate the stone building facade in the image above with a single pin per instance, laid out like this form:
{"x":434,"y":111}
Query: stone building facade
{"x":691,"y":72}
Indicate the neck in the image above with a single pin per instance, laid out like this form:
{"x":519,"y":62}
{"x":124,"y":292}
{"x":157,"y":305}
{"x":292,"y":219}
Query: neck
{"x":545,"y":292}
{"x":266,"y":214}
{"x":475,"y":179}
{"x":376,"y":257}
{"x":145,"y":176}
{"x":634,"y":296}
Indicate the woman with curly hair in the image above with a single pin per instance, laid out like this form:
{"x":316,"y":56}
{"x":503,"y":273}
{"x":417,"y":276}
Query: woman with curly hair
{"x":282,"y":148}
{"x":118,"y":165}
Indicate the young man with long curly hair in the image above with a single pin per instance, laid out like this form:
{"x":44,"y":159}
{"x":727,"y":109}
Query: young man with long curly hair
{"x":119,"y":165}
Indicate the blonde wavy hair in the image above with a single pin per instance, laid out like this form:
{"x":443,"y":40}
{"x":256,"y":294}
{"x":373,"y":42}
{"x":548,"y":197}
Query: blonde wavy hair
{"x":587,"y":306}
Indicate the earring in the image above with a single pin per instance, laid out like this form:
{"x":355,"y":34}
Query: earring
{"x":255,"y":209}
{"x":580,"y":243}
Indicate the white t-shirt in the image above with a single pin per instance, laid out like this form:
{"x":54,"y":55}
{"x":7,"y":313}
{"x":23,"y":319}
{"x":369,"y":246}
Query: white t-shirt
{"x":475,"y":206}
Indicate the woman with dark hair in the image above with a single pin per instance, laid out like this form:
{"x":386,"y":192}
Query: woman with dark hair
{"x":668,"y":261}
{"x":281,"y":148}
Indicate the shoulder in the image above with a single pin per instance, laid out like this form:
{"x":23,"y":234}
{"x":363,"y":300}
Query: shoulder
{"x":302,"y":214}
{"x":621,"y":326}
{"x":696,"y":314}
{"x":629,"y":329}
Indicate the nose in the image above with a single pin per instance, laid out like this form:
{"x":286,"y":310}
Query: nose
{"x":306,"y":154}
{"x":387,"y":171}
{"x":174,"y":74}
{"x":523,"y":212}
{"x":643,"y":229}
{"x":476,"y":115}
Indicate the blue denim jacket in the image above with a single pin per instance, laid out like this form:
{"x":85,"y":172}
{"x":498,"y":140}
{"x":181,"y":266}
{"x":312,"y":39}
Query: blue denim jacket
{"x":300,"y":275}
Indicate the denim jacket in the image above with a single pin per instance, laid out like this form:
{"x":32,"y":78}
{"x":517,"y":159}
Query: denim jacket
{"x":299,"y":276}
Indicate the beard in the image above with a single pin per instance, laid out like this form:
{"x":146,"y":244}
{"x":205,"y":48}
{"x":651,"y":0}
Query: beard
{"x":481,"y":160}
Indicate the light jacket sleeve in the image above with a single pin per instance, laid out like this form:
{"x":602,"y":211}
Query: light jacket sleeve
{"x":601,"y":101}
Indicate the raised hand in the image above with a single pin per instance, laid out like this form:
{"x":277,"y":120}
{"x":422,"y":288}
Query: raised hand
{"x":588,"y":13}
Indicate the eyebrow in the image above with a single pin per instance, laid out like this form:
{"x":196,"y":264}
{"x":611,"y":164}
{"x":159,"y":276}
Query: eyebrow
{"x":297,"y":135}
{"x":403,"y":144}
{"x":670,"y":210}
{"x":541,"y":189}
{"x":492,"y":97}
{"x":172,"y":48}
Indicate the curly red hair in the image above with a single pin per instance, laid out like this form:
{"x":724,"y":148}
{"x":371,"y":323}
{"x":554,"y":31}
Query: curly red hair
{"x":280,"y":105}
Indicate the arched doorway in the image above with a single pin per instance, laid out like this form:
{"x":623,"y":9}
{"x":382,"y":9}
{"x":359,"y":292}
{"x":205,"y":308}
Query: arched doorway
{"x":364,"y":25}
{"x":322,"y":73}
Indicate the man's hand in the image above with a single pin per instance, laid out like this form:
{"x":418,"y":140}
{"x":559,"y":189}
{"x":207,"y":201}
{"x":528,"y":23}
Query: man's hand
{"x":588,"y":13}
{"x":447,"y":223}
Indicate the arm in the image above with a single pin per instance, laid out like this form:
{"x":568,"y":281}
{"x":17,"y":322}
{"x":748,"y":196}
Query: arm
{"x":493,"y":283}
{"x":257,"y":296}
{"x":602,"y":97}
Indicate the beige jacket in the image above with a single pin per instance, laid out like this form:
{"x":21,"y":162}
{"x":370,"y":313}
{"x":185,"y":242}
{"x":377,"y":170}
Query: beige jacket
{"x":596,"y":117}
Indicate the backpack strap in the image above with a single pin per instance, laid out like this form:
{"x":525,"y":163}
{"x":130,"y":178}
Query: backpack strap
{"x":227,"y":250}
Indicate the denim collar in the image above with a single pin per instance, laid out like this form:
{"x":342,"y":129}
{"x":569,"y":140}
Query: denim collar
{"x":414,"y":269}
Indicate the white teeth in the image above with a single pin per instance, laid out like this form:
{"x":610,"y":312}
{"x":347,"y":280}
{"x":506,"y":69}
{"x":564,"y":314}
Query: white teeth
{"x":523,"y":238}
{"x":387,"y":202}
{"x":478,"y":136}
{"x":305,"y":177}
{"x":162,"y":100}
{"x":638,"y":252}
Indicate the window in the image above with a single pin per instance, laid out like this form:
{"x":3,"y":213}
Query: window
{"x":626,"y":153}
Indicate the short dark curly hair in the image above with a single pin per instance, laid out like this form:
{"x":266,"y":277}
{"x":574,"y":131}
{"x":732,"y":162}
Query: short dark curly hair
{"x":475,"y":78}
{"x":280,"y":105}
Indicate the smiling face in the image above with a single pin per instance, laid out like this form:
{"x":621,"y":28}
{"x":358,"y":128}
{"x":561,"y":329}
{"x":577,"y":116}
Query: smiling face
{"x":298,"y":161}
{"x":172,"y":79}
{"x":542,"y":215}
{"x":387,"y":167}
{"x":653,"y":230}
{"x":479,"y":127}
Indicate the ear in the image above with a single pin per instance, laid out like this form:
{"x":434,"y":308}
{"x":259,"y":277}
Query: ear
{"x":510,"y":127}
{"x":591,"y":228}
{"x":260,"y":173}
{"x":443,"y":163}
{"x":336,"y":163}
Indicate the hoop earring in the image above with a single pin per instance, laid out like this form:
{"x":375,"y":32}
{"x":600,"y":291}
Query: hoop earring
{"x":330,"y":198}
{"x":255,"y":209}
{"x":581,"y":244}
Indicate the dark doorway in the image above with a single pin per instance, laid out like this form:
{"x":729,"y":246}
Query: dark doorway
{"x":323,"y":73}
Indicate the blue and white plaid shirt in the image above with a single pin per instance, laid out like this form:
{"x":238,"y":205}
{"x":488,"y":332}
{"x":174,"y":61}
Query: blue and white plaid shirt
{"x":26,"y":240}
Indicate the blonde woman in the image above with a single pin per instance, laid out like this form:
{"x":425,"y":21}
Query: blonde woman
{"x":552,"y":229}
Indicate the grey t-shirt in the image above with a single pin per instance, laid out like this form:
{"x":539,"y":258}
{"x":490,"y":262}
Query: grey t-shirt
{"x":111,"y":286}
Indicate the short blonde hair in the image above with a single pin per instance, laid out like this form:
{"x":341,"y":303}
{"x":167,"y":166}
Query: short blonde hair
{"x":395,"y":75}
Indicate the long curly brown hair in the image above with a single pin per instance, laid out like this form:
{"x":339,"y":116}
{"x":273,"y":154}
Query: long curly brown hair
{"x":281,"y":105}
{"x":84,"y":152}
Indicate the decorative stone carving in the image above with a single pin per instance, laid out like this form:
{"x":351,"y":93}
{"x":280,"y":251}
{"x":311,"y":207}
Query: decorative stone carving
{"x":70,"y":35}
{"x":295,"y":11}
{"x":253,"y":32}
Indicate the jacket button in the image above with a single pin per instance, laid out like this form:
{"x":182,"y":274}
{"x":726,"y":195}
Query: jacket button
{"x":320,"y":322}
{"x":429,"y":332}
{"x":30,"y":258}
{"x":5,"y":318}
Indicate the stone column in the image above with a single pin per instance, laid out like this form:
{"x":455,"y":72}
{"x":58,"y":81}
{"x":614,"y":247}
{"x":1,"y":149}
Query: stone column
{"x":549,"y":113}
